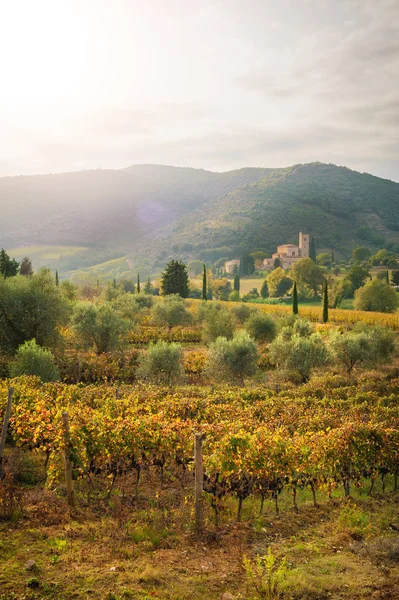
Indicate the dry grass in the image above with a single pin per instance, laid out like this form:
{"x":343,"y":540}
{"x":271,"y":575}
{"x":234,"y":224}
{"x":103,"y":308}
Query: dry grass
{"x":145,"y":548}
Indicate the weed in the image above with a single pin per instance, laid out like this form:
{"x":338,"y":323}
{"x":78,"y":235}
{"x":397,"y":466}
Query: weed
{"x":266,"y":576}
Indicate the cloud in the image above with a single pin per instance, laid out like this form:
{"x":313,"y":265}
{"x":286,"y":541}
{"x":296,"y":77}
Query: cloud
{"x":265,"y":84}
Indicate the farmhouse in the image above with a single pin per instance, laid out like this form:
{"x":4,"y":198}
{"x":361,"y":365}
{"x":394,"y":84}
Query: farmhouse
{"x":288,"y":254}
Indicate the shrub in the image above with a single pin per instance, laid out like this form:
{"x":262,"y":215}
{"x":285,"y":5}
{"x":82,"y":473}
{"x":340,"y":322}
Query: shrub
{"x":162,"y":363}
{"x":376,"y":296}
{"x":171,"y":311}
{"x":350,"y":349}
{"x":207,"y":309}
{"x":241,"y":312}
{"x":261,"y":327}
{"x":233,"y":360}
{"x":31,"y":359}
{"x":294,"y":352}
{"x":218,"y":324}
{"x":98,"y":326}
{"x":364,"y":345}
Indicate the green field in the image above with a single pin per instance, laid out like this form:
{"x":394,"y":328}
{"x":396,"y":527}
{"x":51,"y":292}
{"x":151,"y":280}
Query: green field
{"x":41,"y":256}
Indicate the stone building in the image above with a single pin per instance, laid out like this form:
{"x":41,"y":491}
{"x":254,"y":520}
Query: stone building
{"x":230,"y":266}
{"x":288,"y":254}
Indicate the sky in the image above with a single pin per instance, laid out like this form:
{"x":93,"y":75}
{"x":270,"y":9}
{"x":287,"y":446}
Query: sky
{"x":214,"y":84}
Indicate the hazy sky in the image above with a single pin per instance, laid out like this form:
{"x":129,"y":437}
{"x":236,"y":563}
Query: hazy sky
{"x":217,"y":84}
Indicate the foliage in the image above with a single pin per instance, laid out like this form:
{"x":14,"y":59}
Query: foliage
{"x":384,"y":258}
{"x":204,"y":285}
{"x":237,"y":283}
{"x":175,"y":279}
{"x":31,"y":359}
{"x":395,"y":277}
{"x":264,"y":290}
{"x":195,"y":267}
{"x":8,"y":266}
{"x":324,"y":259}
{"x":98,"y":326}
{"x":241,"y":312}
{"x":266,"y":575}
{"x":221,"y":288}
{"x":233,"y":360}
{"x":161,"y":363}
{"x":234,"y":297}
{"x":360,"y":254}
{"x":295,"y":299}
{"x":278,"y":283}
{"x":148,"y":289}
{"x":325,"y":302}
{"x":218,"y":323}
{"x":171,"y":311}
{"x":351,"y":349}
{"x":312,"y":249}
{"x":308,"y":276}
{"x":356,"y":278}
{"x":328,"y":432}
{"x":127,"y":285}
{"x":376,"y":296}
{"x":247,"y":264}
{"x":294,"y":352}
{"x":30,"y":308}
{"x":261,"y":327}
{"x":25,"y":268}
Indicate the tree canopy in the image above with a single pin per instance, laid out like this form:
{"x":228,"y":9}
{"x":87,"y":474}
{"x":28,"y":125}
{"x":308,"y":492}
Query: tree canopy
{"x":175,"y":279}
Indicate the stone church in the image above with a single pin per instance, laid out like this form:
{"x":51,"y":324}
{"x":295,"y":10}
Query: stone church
{"x":288,"y":254}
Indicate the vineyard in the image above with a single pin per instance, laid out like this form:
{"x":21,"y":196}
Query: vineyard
{"x":326,"y":434}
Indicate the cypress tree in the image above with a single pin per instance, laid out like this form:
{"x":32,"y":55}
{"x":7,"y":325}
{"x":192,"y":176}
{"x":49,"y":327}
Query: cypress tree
{"x":312,"y":249}
{"x":295,"y":299}
{"x":138,"y":283}
{"x":264,"y":290}
{"x":237,"y":283}
{"x":204,"y":290}
{"x":244,"y":265}
{"x":387,"y":277}
{"x":325,"y":302}
{"x":114,"y":283}
{"x":57,"y":281}
{"x":332,"y":257}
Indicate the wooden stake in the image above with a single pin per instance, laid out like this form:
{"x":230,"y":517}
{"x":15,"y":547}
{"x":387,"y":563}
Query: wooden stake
{"x":199,"y":483}
{"x":68,"y":464}
{"x":5,"y":426}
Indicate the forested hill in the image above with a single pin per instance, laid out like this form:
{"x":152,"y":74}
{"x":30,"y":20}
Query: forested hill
{"x":339,"y":207}
{"x":153,"y":213}
{"x":101,"y":207}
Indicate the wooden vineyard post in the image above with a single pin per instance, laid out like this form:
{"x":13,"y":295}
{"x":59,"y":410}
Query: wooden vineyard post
{"x":68,"y":464}
{"x":5,"y":426}
{"x":199,"y":483}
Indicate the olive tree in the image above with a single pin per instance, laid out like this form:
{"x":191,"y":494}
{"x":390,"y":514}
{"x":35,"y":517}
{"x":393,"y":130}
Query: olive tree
{"x":261,"y":327}
{"x":32,"y":359}
{"x":218,"y":323}
{"x":31,"y":308}
{"x":233,"y":360}
{"x":98,"y":326}
{"x":298,"y":353}
{"x":363,"y":346}
{"x":171,"y":311}
{"x":161,"y":363}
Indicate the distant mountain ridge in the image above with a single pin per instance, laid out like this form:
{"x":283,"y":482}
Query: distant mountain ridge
{"x":152,"y":213}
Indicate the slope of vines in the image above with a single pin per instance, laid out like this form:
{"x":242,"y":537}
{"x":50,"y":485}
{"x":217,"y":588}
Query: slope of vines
{"x":327,"y":433}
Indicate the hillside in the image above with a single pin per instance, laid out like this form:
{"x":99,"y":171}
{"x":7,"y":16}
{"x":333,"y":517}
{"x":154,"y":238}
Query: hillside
{"x":105,"y":210}
{"x":152,"y":213}
{"x":339,"y":207}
